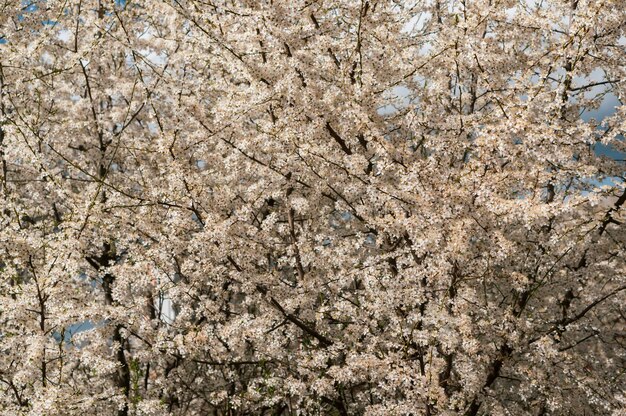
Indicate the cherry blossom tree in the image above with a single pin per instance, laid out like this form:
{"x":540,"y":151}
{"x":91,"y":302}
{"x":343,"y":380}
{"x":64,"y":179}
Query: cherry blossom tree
{"x":325,"y":207}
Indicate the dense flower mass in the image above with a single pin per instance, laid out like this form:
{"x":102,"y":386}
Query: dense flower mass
{"x":312,"y":207}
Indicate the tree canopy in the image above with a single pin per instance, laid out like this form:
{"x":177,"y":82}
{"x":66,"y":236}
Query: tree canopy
{"x":314,"y":207}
